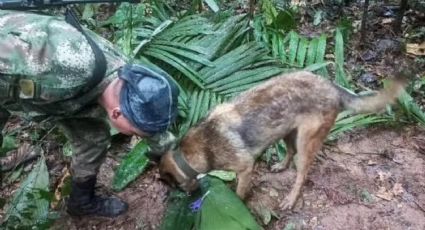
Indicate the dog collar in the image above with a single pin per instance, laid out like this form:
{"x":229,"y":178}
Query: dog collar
{"x":183,"y":165}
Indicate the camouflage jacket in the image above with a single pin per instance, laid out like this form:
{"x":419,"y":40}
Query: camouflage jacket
{"x":55,"y":55}
{"x":58,"y":58}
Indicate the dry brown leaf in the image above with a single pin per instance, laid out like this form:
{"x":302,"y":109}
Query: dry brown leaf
{"x":387,"y":21}
{"x":384,"y":194}
{"x":371,"y":162}
{"x":383,"y":176}
{"x":416,"y":49}
{"x":398,"y":189}
{"x":58,"y":193}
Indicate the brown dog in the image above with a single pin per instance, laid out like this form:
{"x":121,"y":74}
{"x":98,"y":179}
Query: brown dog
{"x":299,"y":108}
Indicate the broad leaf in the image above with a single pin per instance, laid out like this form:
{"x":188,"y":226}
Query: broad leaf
{"x":29,"y":207}
{"x":221,"y":208}
{"x":178,"y":215}
{"x":131,"y":167}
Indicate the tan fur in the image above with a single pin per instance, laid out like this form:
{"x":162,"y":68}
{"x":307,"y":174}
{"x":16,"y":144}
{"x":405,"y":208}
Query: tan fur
{"x":299,"y":108}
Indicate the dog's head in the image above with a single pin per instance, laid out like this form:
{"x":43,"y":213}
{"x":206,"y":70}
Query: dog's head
{"x":174,"y":175}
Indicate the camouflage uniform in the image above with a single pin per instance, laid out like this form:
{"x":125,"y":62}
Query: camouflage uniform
{"x":57,"y":57}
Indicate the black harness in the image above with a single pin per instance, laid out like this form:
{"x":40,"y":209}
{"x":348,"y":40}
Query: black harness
{"x":183,"y":165}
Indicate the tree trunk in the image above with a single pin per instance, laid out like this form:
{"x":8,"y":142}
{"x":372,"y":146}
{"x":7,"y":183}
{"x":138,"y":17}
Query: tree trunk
{"x":364,"y":23}
{"x":399,"y":19}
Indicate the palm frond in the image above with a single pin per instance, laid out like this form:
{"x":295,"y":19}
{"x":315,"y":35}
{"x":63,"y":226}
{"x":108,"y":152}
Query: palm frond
{"x":340,"y":76}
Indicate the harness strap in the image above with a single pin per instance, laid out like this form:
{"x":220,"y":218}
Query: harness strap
{"x":183,"y":165}
{"x":100,"y":60}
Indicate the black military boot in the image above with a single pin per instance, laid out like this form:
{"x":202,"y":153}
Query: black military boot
{"x":83,"y":201}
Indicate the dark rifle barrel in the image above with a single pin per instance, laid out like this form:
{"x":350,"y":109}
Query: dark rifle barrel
{"x":37,"y":4}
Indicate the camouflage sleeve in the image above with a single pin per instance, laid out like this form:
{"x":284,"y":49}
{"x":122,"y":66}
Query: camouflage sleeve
{"x":159,"y":144}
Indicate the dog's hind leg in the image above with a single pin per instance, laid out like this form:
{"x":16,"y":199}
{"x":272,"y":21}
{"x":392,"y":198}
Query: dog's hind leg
{"x":290,"y":152}
{"x":310,"y":137}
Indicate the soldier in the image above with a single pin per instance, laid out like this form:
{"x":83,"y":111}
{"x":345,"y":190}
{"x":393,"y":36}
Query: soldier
{"x":53,"y":69}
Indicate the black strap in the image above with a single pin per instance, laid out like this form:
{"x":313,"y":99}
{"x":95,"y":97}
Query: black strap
{"x":183,"y":165}
{"x":100,"y":60}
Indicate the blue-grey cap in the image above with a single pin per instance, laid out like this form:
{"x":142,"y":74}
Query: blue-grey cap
{"x":148,"y":98}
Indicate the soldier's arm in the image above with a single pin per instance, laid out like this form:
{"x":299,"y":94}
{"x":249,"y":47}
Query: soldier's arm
{"x":4,"y":116}
{"x":159,"y":144}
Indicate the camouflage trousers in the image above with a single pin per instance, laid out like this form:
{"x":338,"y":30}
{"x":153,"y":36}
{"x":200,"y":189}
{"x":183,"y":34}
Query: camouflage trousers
{"x":90,"y":139}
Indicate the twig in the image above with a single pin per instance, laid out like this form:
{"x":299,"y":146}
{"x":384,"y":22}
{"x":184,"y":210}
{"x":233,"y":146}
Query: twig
{"x":48,"y":132}
{"x":419,"y":206}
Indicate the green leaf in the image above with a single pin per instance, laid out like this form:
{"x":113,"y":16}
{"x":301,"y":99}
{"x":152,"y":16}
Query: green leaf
{"x":281,"y":49}
{"x":293,"y":46}
{"x":197,"y":107}
{"x":222,"y":208}
{"x":340,"y":77}
{"x":223,"y":175}
{"x":176,"y":63}
{"x":411,"y":108}
{"x":285,"y":20}
{"x":320,"y":54}
{"x":312,"y":51}
{"x":244,"y":77}
{"x":345,"y":122}
{"x":275,"y":44}
{"x":27,"y":204}
{"x":131,"y":167}
{"x":269,"y":11}
{"x":183,"y":53}
{"x":15,"y":175}
{"x":302,"y":50}
{"x":67,"y":149}
{"x":316,"y":66}
{"x":213,"y":5}
{"x":178,"y":215}
{"x":234,"y":60}
{"x":9,"y":143}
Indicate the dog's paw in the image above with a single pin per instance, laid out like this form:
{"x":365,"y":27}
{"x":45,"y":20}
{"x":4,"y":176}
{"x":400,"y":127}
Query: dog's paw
{"x":285,"y":206}
{"x":288,"y":203}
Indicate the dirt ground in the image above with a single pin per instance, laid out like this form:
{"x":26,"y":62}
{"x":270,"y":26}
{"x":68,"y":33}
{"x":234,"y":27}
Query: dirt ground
{"x":368,"y":179}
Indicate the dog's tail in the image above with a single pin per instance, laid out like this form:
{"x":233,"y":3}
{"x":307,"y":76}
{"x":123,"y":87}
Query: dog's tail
{"x":373,"y":102}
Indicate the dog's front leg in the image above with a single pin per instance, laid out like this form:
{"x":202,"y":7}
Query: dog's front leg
{"x":244,"y":181}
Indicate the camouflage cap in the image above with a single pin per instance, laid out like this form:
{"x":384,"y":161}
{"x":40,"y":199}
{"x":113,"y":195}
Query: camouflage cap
{"x":148,"y":98}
